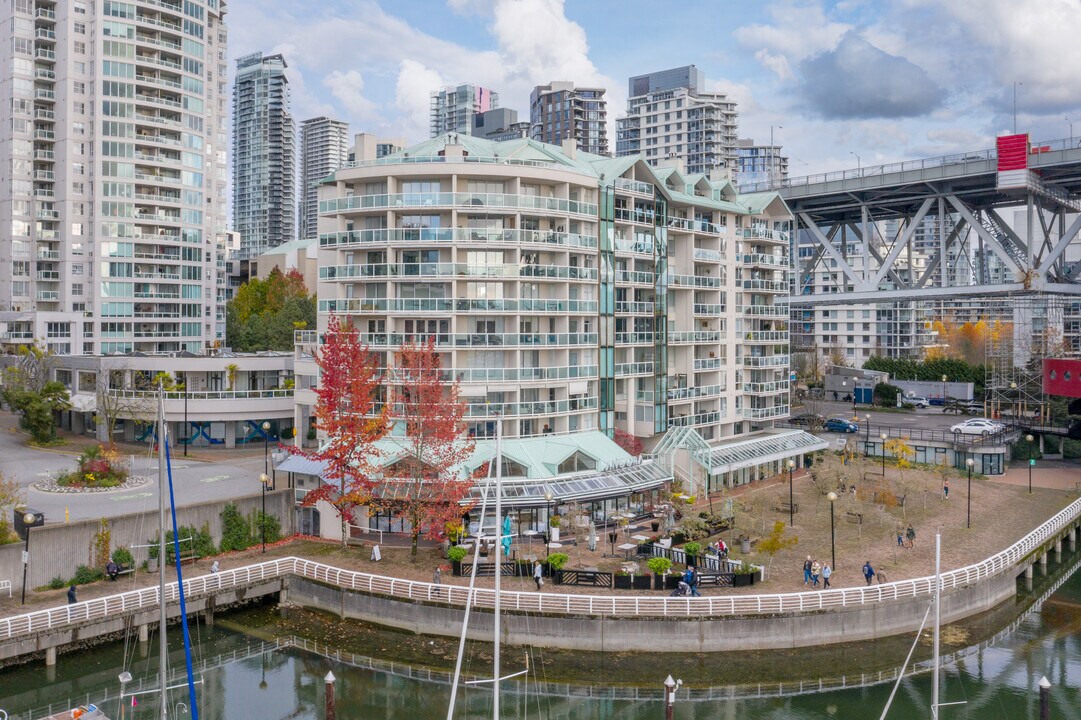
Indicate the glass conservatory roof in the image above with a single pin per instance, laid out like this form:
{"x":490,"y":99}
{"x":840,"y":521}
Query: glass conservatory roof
{"x":767,"y":447}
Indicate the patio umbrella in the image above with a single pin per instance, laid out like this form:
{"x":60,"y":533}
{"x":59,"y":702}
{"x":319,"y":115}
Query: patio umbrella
{"x":506,"y":536}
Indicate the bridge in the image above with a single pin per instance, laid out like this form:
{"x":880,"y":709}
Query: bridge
{"x":947,"y":212}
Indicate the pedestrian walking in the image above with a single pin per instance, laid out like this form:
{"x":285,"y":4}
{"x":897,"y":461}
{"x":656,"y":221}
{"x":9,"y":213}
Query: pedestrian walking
{"x":911,"y":535}
{"x":437,"y":579}
{"x":946,"y":488}
{"x":868,"y":572}
{"x":900,"y":538}
{"x":691,"y":578}
{"x":816,"y":570}
{"x":807,"y":570}
{"x":826,"y":572}
{"x":214,"y":567}
{"x":71,"y":595}
{"x":537,"y":574}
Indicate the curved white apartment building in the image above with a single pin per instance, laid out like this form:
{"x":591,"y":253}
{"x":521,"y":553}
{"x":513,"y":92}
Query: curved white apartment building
{"x":568,"y":291}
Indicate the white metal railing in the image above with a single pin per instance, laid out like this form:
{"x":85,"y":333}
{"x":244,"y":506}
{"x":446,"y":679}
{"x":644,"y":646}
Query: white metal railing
{"x":593,"y":605}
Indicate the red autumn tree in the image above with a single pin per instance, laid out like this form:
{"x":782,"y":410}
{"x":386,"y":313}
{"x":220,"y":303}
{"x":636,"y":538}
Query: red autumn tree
{"x":628,"y":442}
{"x":426,"y":486}
{"x":348,"y":411}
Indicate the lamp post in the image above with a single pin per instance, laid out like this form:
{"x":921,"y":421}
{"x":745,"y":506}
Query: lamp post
{"x":791,"y":508}
{"x":1029,"y":439}
{"x":1015,"y":401}
{"x":28,"y":520}
{"x":943,"y":393}
{"x":882,"y":437}
{"x":187,"y":427}
{"x":867,"y":434}
{"x":548,"y":520}
{"x":266,"y":447}
{"x":264,"y":480}
{"x":858,"y":163}
{"x":125,"y":678}
{"x":969,"y":462}
{"x":833,"y":546}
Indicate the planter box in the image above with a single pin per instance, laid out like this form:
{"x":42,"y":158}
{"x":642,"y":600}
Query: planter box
{"x":456,"y":568}
{"x":658,"y":582}
{"x":624,"y":582}
{"x":692,"y":560}
{"x":655,"y":526}
{"x":642,"y":582}
{"x":742,"y":580}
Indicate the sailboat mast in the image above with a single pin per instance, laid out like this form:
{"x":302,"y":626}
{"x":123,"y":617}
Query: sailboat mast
{"x":162,"y":647}
{"x":498,"y":559}
{"x":938,"y":623}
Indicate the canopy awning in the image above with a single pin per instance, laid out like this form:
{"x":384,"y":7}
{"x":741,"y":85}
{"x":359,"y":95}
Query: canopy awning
{"x":768,"y":447}
{"x":302,"y":465}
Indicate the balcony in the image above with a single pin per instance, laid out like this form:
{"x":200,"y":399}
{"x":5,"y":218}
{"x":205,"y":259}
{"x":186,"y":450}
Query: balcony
{"x":762,"y":259}
{"x":765,"y":311}
{"x":766,"y":361}
{"x":489,"y":201}
{"x":701,"y":364}
{"x":766,"y":388}
{"x":708,"y":309}
{"x":48,"y":295}
{"x":773,"y":286}
{"x":777,"y":411}
{"x":636,"y":368}
{"x":765,"y":337}
{"x":695,"y":336}
{"x":707,"y":255}
{"x":633,"y":308}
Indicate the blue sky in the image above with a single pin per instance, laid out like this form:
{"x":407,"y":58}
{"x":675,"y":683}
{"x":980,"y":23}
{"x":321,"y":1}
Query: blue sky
{"x":887,"y":80}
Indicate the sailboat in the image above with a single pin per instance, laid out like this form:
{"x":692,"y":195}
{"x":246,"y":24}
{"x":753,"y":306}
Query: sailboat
{"x":936,"y":660}
{"x":503,"y":529}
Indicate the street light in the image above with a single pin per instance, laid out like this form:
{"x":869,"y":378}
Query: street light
{"x":28,"y":520}
{"x":266,"y":447}
{"x":548,"y":520}
{"x":264,"y":480}
{"x":858,"y":164}
{"x":969,"y":462}
{"x":943,"y":393}
{"x":882,"y":437}
{"x":1070,"y":123}
{"x":1016,"y":409}
{"x":833,"y":546}
{"x":1029,"y":439}
{"x":791,"y":508}
{"x":867,"y":434}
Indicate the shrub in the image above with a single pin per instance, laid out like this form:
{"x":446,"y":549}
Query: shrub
{"x":202,"y":543}
{"x":235,"y":531}
{"x":744,"y":568}
{"x":555,"y":521}
{"x":97,"y":467}
{"x":267,"y":523}
{"x":85,"y":575}
{"x":694,"y":528}
{"x":57,"y":583}
{"x":556,"y":561}
{"x":692,"y":549}
{"x":659,"y":565}
{"x":456,"y":553}
{"x":122,"y":556}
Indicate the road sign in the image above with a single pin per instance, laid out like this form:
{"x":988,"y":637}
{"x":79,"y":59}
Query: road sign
{"x":26,"y":557}
{"x":1032,"y":462}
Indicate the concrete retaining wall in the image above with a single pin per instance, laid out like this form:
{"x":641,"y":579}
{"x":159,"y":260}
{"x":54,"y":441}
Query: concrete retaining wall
{"x":57,"y":550}
{"x":692,"y":634}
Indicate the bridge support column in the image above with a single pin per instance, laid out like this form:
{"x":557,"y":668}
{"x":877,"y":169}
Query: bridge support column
{"x":1058,"y":548}
{"x":50,"y":657}
{"x":1043,"y":563}
{"x":1028,"y":573}
{"x":144,"y":633}
{"x":209,"y":614}
{"x":283,"y":595}
{"x":1072,"y":536}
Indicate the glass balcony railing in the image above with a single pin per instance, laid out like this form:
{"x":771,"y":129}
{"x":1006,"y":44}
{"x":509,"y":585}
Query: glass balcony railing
{"x":476,"y":201}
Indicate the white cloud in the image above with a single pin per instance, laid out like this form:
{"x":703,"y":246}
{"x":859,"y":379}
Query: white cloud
{"x":797,"y":31}
{"x":411,"y":96}
{"x":348,"y":88}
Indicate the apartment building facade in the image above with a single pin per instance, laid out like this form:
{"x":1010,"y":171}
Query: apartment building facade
{"x":671,"y":117}
{"x":560,"y":111}
{"x":324,"y":147}
{"x":568,"y":291}
{"x":114,"y":183}
{"x":760,"y":165}
{"x":264,"y":155}
{"x":452,"y":107}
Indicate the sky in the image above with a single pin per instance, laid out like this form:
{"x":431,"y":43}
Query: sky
{"x":840,"y":83}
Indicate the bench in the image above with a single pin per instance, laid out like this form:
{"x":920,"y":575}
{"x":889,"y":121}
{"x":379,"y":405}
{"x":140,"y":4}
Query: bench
{"x":786,"y":506}
{"x":6,"y":585}
{"x":125,"y":569}
{"x":854,"y":518}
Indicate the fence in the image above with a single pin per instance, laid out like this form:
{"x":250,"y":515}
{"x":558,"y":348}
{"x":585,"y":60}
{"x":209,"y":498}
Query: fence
{"x":570,"y":604}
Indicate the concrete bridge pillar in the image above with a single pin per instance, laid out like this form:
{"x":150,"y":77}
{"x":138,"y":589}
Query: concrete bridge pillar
{"x":210,"y":611}
{"x":283,"y":596}
{"x":1058,"y":548}
{"x":1073,"y":540}
{"x":50,"y":657}
{"x":144,"y":633}
{"x":1028,"y":573}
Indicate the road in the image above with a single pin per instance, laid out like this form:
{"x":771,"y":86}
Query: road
{"x":931,"y":418}
{"x":194,"y":481}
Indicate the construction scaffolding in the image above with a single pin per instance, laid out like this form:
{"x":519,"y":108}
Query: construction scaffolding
{"x":1024,"y":329}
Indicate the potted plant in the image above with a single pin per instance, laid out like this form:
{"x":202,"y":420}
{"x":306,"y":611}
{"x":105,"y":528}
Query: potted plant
{"x":659,"y":566}
{"x":553,"y":527}
{"x":556,"y":561}
{"x":624,"y":580}
{"x":456,"y":554}
{"x":692,"y":549}
{"x":743,"y":575}
{"x":655,"y":525}
{"x":641,"y":582}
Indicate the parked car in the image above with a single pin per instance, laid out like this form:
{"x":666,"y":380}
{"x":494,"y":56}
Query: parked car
{"x":841,"y":425}
{"x":919,"y":402}
{"x":977,"y":426}
{"x":808,"y":419}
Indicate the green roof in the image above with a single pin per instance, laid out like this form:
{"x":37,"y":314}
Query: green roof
{"x":290,"y":246}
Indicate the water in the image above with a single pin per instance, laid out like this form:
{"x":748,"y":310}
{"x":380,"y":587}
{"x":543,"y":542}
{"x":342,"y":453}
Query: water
{"x":252,"y":671}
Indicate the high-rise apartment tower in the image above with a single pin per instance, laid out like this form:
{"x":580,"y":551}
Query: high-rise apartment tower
{"x":324,"y":147}
{"x":559,"y":111}
{"x":264,"y":155}
{"x":453,"y":107}
{"x":112,"y":193}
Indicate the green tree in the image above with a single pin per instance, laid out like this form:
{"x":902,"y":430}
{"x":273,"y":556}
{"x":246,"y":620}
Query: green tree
{"x":264,"y":313}
{"x":775,"y":542}
{"x":30,"y":391}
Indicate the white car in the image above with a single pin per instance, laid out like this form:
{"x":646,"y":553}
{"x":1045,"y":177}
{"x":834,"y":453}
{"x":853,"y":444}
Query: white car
{"x":977,"y":426}
{"x":920,"y":402}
